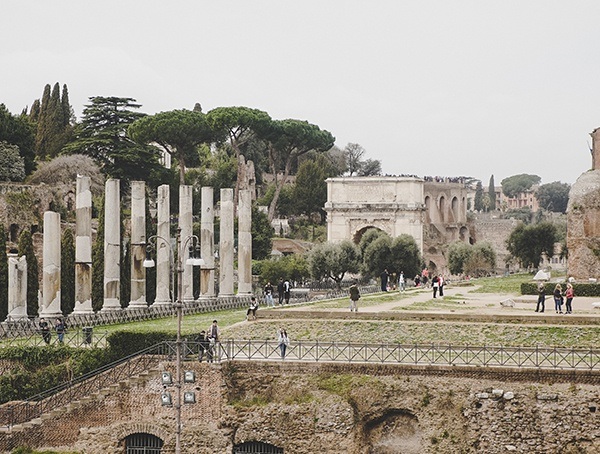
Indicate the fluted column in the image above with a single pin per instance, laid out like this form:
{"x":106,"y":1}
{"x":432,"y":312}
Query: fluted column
{"x":207,"y":240}
{"x":83,"y":247}
{"x":51,"y":274}
{"x":226,"y":244}
{"x":245,"y":243}
{"x":112,"y":246}
{"x":138,"y":245}
{"x":17,"y":288}
{"x":163,"y":246}
{"x":185,"y":224}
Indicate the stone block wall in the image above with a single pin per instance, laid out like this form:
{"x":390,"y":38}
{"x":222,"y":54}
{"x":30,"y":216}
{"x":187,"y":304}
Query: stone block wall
{"x":333,"y":408}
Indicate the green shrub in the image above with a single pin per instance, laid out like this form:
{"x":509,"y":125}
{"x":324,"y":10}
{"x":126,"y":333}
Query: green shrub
{"x":125,"y":343}
{"x":580,"y":289}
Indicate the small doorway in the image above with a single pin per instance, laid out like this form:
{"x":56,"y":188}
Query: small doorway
{"x":256,"y":447}
{"x":143,"y":443}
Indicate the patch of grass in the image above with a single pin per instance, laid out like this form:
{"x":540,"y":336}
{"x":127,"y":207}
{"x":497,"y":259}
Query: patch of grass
{"x":501,"y":284}
{"x":254,"y":401}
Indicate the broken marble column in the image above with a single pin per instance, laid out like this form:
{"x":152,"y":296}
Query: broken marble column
{"x":112,"y":246}
{"x":245,"y":243}
{"x":83,"y":246}
{"x":51,"y":260}
{"x":207,"y":240}
{"x":138,"y":245}
{"x":17,"y":288}
{"x":226,"y":244}
{"x":163,"y":247}
{"x":185,"y":226}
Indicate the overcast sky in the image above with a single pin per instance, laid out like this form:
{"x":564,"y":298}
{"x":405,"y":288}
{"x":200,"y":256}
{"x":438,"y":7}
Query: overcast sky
{"x":428,"y":87}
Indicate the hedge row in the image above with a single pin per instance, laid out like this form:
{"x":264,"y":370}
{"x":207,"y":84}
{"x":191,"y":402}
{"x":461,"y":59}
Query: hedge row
{"x":40,"y":368}
{"x":580,"y":289}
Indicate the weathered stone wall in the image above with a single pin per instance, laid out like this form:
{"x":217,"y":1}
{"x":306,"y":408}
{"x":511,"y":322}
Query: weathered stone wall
{"x":351,"y":408}
{"x":583,"y":233}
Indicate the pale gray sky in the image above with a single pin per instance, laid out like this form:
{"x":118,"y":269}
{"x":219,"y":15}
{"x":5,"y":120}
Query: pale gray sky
{"x":428,"y":87}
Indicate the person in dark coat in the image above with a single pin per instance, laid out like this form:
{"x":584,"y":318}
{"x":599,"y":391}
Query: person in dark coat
{"x":280,"y":290}
{"x":203,"y":346}
{"x":384,"y":280}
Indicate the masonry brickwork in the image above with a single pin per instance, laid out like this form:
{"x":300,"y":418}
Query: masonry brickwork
{"x":334,"y":408}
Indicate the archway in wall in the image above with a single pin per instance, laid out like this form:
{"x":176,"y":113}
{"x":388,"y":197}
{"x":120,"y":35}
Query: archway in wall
{"x":360,"y":233}
{"x":427,"y":209}
{"x":256,"y":447}
{"x":143,"y":443}
{"x":463,"y":234}
{"x":455,"y":209}
{"x":442,"y":209}
{"x":13,"y":233}
{"x":395,"y":431}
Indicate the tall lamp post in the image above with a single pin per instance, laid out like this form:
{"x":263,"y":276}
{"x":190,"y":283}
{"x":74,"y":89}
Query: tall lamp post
{"x":194,"y":259}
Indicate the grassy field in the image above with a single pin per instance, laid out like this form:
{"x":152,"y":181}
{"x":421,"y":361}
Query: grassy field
{"x":233,"y":324}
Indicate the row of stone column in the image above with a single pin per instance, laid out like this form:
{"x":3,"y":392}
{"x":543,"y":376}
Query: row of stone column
{"x":165,"y":260}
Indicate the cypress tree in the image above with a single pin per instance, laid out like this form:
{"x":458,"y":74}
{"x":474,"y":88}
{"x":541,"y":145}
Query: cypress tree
{"x":478,"y":201}
{"x":3,"y":275}
{"x":34,"y":113}
{"x":492,"y":193}
{"x":67,"y":273}
{"x":41,"y":137}
{"x":25,"y":247}
{"x":53,"y":122}
{"x":98,"y":261}
{"x":67,"y":111}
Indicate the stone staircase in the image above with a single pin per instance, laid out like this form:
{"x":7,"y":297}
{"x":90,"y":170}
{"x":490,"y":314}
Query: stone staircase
{"x":98,"y":395}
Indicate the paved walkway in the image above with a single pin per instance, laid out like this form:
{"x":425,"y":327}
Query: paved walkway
{"x":465,"y":300}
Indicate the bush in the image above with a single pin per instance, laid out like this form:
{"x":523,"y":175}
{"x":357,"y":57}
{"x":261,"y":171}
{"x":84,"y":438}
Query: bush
{"x":125,"y":343}
{"x":580,"y":289}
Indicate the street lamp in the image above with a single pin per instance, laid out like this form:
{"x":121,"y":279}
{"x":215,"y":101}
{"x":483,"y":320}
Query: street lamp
{"x":193,"y":259}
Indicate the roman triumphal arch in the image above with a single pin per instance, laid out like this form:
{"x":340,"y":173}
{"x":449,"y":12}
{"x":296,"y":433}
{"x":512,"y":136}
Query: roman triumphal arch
{"x":393,"y":204}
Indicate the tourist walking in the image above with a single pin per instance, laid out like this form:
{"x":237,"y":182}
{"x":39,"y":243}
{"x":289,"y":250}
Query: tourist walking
{"x":45,"y":330}
{"x":60,"y":329}
{"x":569,"y":294}
{"x":558,"y":299}
{"x":287,"y":291}
{"x":280,"y":290}
{"x":203,"y":346}
{"x":435,"y":283}
{"x":425,"y":277}
{"x":214,"y":334}
{"x":269,"y":294}
{"x":354,"y":296}
{"x":441,"y":283}
{"x":541,"y":288}
{"x":384,"y":280}
{"x":401,"y":282}
{"x":283,"y":341}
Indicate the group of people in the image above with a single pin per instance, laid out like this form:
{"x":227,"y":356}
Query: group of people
{"x":59,"y":327}
{"x":283,"y":292}
{"x":208,"y":341}
{"x":559,"y":297}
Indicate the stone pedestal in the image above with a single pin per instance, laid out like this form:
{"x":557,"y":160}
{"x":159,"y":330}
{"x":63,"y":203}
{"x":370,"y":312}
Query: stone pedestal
{"x":207,"y":240}
{"x":138,"y":245}
{"x":163,"y":247}
{"x":83,"y":247}
{"x":112,"y":246}
{"x":245,"y":243}
{"x":51,"y":273}
{"x":226,"y":245}
{"x":17,"y":288}
{"x":185,"y":224}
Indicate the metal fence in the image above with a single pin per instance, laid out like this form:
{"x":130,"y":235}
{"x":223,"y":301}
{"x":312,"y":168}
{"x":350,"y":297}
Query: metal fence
{"x":545,"y":358}
{"x":538,"y":357}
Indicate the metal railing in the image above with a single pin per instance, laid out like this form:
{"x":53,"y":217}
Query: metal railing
{"x":538,"y":357}
{"x":59,"y":396}
{"x":544,"y":358}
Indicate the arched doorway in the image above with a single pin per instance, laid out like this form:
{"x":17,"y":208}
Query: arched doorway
{"x":442,"y":209}
{"x":256,"y":447}
{"x":143,"y":443}
{"x":359,"y":234}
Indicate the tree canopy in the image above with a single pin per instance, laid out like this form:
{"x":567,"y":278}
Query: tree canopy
{"x":102,"y":135}
{"x":289,"y":139}
{"x":527,"y":243}
{"x":334,"y":260}
{"x":554,"y":196}
{"x":177,"y":132}
{"x":380,"y":252}
{"x":19,"y":131}
{"x":12,"y":165}
{"x":475,"y":260}
{"x":516,"y":184}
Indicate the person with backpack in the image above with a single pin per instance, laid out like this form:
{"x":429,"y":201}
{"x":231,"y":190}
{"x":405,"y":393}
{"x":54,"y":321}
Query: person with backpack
{"x":354,"y":296}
